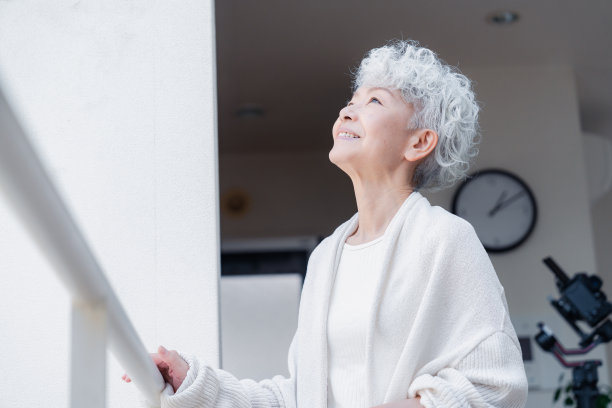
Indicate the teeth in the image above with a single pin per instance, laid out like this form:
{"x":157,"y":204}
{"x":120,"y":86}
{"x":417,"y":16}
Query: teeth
{"x":344,"y":134}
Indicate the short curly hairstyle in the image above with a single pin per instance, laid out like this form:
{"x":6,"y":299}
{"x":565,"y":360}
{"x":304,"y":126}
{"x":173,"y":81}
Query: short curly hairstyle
{"x":443,"y":101}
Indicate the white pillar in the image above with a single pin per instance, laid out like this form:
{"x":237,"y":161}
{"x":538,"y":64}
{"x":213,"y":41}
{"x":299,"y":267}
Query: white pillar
{"x":119,"y":100}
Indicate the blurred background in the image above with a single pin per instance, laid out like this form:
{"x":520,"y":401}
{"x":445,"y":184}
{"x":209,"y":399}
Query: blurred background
{"x":542,"y":72}
{"x":123,"y":100}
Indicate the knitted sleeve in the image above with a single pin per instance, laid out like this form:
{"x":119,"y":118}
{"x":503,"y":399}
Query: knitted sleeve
{"x":207,"y":387}
{"x":491,"y":375}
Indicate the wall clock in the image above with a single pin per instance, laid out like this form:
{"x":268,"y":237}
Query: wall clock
{"x":500,"y":207}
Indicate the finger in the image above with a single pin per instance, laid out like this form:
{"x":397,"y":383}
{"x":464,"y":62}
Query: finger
{"x":156,"y":358}
{"x":165,"y":372}
{"x":175,"y":366}
{"x":167,"y":378}
{"x":169,"y":356}
{"x":162,"y":366}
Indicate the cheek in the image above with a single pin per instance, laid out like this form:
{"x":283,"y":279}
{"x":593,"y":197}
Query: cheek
{"x":391,"y":137}
{"x":335,"y":126}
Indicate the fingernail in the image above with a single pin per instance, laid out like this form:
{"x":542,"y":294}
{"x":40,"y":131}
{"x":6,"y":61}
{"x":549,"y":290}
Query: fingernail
{"x":162,"y":350}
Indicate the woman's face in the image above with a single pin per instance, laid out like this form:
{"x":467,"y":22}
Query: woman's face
{"x":372,"y":132}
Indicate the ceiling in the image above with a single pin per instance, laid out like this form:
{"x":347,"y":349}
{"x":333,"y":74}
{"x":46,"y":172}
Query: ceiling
{"x":293,"y":58}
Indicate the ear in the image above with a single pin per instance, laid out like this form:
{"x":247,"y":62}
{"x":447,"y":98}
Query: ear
{"x":421,"y":143}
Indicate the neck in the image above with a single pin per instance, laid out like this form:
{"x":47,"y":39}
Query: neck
{"x":377,"y":203}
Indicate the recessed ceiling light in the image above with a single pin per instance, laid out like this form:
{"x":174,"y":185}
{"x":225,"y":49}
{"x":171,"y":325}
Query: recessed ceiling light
{"x":503,"y":17}
{"x":250,"y":111}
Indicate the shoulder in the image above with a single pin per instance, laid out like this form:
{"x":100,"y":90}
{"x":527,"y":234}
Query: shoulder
{"x":436,"y":223}
{"x":443,"y":236}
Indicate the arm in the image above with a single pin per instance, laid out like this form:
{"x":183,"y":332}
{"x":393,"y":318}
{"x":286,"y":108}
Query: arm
{"x":491,"y":375}
{"x":208,"y":387}
{"x":191,"y":384}
{"x":489,"y":372}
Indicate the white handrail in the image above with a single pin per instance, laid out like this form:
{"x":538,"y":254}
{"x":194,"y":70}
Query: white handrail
{"x":38,"y":204}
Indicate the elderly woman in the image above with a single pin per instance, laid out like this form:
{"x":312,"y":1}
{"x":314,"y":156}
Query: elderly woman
{"x":401,"y":306}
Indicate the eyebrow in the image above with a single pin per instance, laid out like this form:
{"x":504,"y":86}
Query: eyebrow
{"x":377,"y":88}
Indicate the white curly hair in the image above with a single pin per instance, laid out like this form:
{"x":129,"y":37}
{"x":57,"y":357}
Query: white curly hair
{"x":443,"y":101}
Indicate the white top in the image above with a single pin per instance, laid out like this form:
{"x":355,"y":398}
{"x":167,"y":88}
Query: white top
{"x":437,"y":325}
{"x":353,"y":291}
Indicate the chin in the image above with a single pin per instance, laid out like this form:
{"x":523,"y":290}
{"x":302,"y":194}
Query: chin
{"x":340,"y":159}
{"x":335,"y":156}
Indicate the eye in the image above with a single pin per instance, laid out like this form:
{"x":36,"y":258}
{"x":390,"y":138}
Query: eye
{"x":375,"y":100}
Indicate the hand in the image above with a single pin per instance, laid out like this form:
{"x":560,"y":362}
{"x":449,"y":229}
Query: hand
{"x":171,"y":366}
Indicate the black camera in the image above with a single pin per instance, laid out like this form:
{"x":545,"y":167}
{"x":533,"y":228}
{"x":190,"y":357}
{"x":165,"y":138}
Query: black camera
{"x":582,"y":300}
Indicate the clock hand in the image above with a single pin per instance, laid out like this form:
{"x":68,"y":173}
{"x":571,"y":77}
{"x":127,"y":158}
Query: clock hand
{"x":507,"y":202}
{"x":498,"y":203}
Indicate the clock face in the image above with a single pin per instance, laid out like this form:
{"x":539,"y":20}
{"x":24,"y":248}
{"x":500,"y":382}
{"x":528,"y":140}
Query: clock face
{"x":500,"y":207}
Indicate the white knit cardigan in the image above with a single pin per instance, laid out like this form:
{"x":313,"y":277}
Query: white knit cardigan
{"x":438,"y":326}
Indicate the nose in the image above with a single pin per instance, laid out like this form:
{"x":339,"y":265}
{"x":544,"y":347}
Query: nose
{"x":347,"y":113}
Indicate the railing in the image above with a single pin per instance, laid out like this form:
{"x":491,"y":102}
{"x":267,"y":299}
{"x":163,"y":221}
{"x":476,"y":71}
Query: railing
{"x":97,"y":314}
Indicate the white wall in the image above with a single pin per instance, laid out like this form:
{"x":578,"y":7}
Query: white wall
{"x":530,"y":126}
{"x":119,"y":99}
{"x":263,"y":310}
{"x":602,"y":230}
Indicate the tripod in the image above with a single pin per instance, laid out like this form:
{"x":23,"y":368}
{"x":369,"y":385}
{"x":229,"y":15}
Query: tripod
{"x":581,"y":299}
{"x":584,"y":373}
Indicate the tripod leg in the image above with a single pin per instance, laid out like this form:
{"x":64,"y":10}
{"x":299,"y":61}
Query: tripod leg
{"x":585,"y":384}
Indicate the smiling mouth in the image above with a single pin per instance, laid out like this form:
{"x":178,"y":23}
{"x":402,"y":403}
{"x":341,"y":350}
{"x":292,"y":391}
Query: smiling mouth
{"x":346,"y":135}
